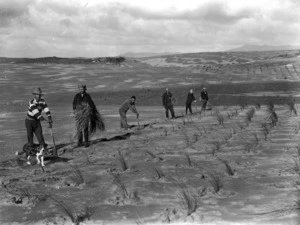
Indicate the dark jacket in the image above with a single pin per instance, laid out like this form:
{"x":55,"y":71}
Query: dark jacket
{"x":80,"y":101}
{"x":190,"y":98}
{"x":167,"y":99}
{"x":204,"y":95}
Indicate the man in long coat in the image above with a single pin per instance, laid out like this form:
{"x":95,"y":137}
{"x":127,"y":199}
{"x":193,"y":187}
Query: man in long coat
{"x":82,"y":100}
{"x":168,"y":103}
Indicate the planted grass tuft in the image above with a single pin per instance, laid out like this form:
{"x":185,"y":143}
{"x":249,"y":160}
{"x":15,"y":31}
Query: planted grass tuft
{"x":296,"y":166}
{"x":158,"y":174}
{"x":88,"y":161}
{"x":122,"y":161}
{"x":216,"y":147}
{"x":189,"y":200}
{"x":24,"y":193}
{"x":257,"y":106}
{"x":292,"y":108}
{"x":220,"y":119}
{"x":76,"y":216}
{"x":188,"y":159}
{"x":272,"y":118}
{"x":249,"y":115}
{"x":265,"y":130}
{"x":153,"y":156}
{"x":119,"y":183}
{"x":76,"y":175}
{"x":186,"y":139}
{"x":215,"y":182}
{"x":229,"y":170}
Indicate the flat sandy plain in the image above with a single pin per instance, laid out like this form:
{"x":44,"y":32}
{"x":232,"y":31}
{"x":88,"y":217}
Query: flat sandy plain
{"x":235,"y":164}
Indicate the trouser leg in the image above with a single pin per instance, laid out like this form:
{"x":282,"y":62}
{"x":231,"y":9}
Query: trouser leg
{"x":29,"y":130}
{"x":39,"y":133}
{"x":190,"y":108}
{"x":204,"y":104}
{"x":86,"y":134}
{"x":123,"y":119}
{"x":172,"y":111}
{"x":79,"y":136}
{"x":167,"y":112}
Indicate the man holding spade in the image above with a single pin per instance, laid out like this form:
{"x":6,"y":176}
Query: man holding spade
{"x":34,"y":118}
{"x":126,"y":105}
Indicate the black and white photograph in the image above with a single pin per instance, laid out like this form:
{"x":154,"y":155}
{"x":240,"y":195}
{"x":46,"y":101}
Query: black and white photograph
{"x":139,"y":112}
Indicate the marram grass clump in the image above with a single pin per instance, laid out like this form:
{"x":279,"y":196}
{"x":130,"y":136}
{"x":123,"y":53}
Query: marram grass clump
{"x":91,"y":118}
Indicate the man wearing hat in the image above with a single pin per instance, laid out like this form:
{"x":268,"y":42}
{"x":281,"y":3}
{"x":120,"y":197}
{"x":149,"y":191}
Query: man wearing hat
{"x":80,"y":102}
{"x":34,"y":118}
{"x":204,"y":98}
{"x":126,"y":105}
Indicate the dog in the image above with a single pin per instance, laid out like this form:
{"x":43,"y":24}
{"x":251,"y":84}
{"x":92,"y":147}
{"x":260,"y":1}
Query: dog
{"x":36,"y":150}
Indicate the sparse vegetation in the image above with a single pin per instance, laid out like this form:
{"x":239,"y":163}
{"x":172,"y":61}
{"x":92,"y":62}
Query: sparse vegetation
{"x":159,"y":174}
{"x":216,"y":147}
{"x":119,"y":183}
{"x":215,"y":181}
{"x":76,"y":175}
{"x":186,"y":149}
{"x":249,"y":115}
{"x":220,"y":119}
{"x":229,"y":170}
{"x":122,"y":161}
{"x":292,"y":108}
{"x":188,"y":159}
{"x":77,"y":217}
{"x":189,"y":200}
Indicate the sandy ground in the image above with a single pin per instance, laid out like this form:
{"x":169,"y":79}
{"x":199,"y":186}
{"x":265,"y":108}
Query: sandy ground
{"x":236,"y":164}
{"x":212,"y":168}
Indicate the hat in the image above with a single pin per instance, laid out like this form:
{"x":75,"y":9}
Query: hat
{"x":37,"y":91}
{"x":82,"y":86}
{"x":133,"y":97}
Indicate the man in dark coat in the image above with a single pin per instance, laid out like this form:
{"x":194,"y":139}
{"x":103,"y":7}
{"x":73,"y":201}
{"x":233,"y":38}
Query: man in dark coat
{"x":204,"y":98}
{"x":188,"y":104}
{"x":81,"y":101}
{"x":167,"y":103}
{"x":126,"y":105}
{"x":34,"y":118}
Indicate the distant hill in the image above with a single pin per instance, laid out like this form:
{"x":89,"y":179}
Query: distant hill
{"x":146,"y":54}
{"x":248,"y":48}
{"x":58,"y":60}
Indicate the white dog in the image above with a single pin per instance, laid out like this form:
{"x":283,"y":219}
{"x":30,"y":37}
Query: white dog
{"x":36,"y":150}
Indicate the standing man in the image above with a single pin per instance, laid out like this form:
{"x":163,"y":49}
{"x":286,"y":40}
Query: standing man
{"x":126,"y":105}
{"x":204,"y":98}
{"x":80,"y":106}
{"x":188,"y":104}
{"x":34,"y":118}
{"x":167,"y":103}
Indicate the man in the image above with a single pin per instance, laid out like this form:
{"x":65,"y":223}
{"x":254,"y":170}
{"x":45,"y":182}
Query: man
{"x":126,"y":105}
{"x":204,"y":98}
{"x":167,"y":103}
{"x":188,"y":104}
{"x":80,"y":103}
{"x":34,"y":118}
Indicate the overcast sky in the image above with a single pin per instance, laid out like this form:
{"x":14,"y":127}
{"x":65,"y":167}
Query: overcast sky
{"x":91,"y":28}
